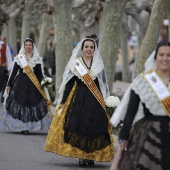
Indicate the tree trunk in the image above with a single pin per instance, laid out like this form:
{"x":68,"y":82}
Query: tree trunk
{"x":5,"y":31}
{"x":35,"y":32}
{"x":36,"y":36}
{"x":12,"y":40}
{"x":46,"y":18}
{"x":26,"y":14}
{"x":150,"y":40}
{"x":126,"y":74}
{"x":62,"y":39}
{"x":90,"y":30}
{"x":109,"y":42}
{"x":168,"y":14}
{"x":14,"y":11}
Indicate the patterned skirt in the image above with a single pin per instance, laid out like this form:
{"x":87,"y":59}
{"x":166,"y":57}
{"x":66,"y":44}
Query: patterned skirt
{"x":64,"y":140}
{"x":149,"y":145}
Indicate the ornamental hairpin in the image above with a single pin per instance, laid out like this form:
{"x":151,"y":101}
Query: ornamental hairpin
{"x":29,"y":39}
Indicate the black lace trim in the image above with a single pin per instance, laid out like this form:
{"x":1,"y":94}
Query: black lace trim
{"x":85,"y":144}
{"x":153,"y":142}
{"x":151,"y":156}
{"x":27,"y":114}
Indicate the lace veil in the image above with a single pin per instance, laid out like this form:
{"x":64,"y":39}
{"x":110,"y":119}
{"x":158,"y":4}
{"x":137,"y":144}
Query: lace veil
{"x":97,"y":70}
{"x":120,"y":111}
{"x":34,"y":60}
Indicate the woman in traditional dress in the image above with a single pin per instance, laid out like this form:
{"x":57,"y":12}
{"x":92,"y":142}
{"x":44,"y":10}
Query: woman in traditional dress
{"x":145,"y":108}
{"x":26,"y":108}
{"x":80,"y":127}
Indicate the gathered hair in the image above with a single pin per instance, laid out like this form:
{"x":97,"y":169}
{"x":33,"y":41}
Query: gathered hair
{"x":29,"y":40}
{"x":160,"y":44}
{"x":87,"y":39}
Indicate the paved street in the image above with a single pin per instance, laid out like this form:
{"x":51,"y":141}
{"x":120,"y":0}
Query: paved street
{"x":25,"y":152}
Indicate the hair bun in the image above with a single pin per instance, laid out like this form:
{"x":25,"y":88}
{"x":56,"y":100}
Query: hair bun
{"x":29,"y":39}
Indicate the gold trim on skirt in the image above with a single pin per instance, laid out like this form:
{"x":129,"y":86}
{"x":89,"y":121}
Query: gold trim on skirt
{"x":55,"y":139}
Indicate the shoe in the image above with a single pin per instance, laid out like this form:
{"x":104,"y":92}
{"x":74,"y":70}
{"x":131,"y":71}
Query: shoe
{"x":90,"y":162}
{"x":82,"y":162}
{"x":25,"y":132}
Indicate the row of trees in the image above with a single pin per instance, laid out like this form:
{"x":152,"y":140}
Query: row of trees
{"x":106,"y":18}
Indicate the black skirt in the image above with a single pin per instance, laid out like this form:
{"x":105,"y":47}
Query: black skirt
{"x":149,"y":145}
{"x":86,"y":123}
{"x":25,"y":102}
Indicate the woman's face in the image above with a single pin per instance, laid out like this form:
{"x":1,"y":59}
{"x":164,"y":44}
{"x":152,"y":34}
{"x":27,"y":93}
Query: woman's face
{"x":163,"y":58}
{"x":28,"y":46}
{"x":88,"y":49}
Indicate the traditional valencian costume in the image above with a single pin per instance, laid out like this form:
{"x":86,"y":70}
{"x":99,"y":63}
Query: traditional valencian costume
{"x":81,"y":127}
{"x":148,"y":103}
{"x":26,"y":104}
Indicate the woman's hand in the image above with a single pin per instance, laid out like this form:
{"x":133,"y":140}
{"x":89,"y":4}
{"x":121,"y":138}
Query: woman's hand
{"x":8,"y":88}
{"x":123,"y":144}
